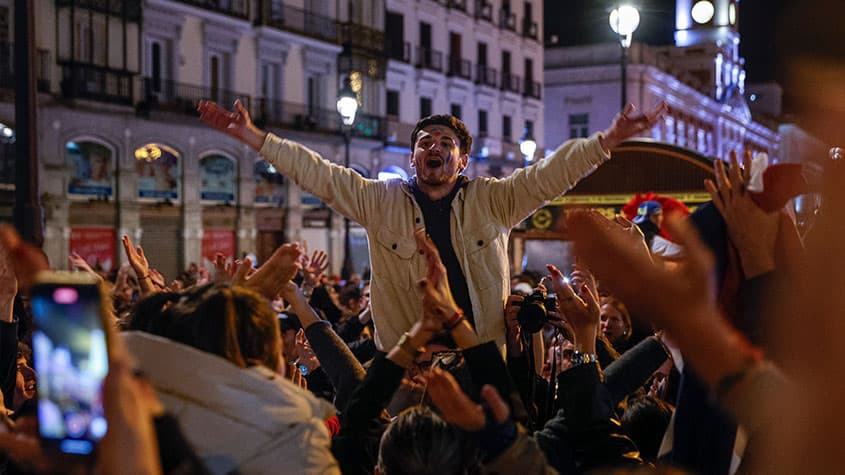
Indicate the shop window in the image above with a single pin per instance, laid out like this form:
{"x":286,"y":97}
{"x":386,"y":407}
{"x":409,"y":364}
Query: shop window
{"x":158,"y":172}
{"x":91,"y":167}
{"x":218,"y":179}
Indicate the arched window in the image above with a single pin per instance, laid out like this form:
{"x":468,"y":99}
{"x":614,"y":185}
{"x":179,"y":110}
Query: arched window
{"x":91,"y":168}
{"x":218,"y":179}
{"x":158,"y":171}
{"x":270,"y":186}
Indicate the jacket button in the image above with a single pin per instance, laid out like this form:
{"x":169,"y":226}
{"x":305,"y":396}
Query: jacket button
{"x":393,"y":246}
{"x":418,"y":219}
{"x":480,"y":242}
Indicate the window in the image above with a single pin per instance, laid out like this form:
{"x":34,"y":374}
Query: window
{"x":425,"y":35}
{"x":482,"y":54}
{"x":218,"y":179}
{"x":506,"y":62}
{"x":456,"y":110}
{"x":392,"y":103}
{"x":529,"y":72}
{"x":529,"y":129}
{"x":270,"y":187}
{"x":156,"y":66}
{"x":425,"y":106}
{"x":482,"y":123}
{"x":157,"y":168}
{"x":395,"y":36}
{"x":314,"y":94}
{"x":91,"y":169}
{"x":507,"y":129}
{"x":215,"y":77}
{"x":579,"y":125}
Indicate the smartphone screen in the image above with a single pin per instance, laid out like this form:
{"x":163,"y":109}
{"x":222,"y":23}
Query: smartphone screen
{"x":71,"y":360}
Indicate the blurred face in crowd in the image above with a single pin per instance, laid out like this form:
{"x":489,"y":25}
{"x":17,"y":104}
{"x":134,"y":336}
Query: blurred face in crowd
{"x":437,"y":156}
{"x":656,"y":218}
{"x":612,"y":323}
{"x":24,"y":384}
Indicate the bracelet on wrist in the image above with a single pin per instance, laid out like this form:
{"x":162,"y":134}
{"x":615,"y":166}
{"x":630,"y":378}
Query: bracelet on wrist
{"x":579,"y":358}
{"x":455,"y":320}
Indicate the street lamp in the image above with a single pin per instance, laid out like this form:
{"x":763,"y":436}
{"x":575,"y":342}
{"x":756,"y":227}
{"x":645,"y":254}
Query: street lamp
{"x":347,"y":107}
{"x":528,"y":146}
{"x":624,"y":21}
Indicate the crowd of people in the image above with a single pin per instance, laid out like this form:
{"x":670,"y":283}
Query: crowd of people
{"x":718,"y":357}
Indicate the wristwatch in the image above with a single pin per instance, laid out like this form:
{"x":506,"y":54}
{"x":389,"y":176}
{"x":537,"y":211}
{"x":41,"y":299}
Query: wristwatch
{"x":579,"y":358}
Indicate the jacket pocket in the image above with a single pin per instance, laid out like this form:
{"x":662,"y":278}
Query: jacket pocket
{"x":484,"y":256}
{"x":396,"y":264}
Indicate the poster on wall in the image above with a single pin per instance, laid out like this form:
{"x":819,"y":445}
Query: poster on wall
{"x":95,"y":245}
{"x":216,"y":241}
{"x":269,"y":185}
{"x":90,"y":168}
{"x":158,"y":172}
{"x":218,"y":179}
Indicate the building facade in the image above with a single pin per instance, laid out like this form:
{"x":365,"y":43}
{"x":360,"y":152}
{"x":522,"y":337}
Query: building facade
{"x":480,"y":60}
{"x":121,"y":149}
{"x":701,"y":77}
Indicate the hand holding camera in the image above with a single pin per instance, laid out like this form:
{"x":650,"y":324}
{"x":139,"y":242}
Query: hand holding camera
{"x":581,"y":311}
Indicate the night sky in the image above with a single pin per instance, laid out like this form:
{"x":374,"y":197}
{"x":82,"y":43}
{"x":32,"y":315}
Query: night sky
{"x":585,"y":21}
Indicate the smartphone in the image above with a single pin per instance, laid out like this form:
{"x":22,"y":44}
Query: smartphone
{"x":70,"y":353}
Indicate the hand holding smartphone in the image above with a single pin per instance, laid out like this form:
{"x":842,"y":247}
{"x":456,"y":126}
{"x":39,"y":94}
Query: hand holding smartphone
{"x":70,"y":352}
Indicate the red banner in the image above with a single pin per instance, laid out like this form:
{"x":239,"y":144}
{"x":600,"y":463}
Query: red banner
{"x":218,"y":241}
{"x":95,"y":245}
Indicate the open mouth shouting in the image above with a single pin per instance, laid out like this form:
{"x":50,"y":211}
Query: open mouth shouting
{"x":434,"y":162}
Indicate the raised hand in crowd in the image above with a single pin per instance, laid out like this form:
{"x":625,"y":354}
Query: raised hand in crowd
{"x":79,"y":263}
{"x":580,"y":311}
{"x":138,"y":260}
{"x":457,"y":408}
{"x":313,"y":268}
{"x":236,"y":123}
{"x":439,"y":307}
{"x":304,"y":352}
{"x":631,"y":122}
{"x":269,"y":279}
{"x":752,"y":230}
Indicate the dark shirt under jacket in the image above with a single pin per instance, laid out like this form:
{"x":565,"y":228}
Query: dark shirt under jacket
{"x":437,"y":216}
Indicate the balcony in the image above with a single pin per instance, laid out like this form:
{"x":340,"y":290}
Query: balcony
{"x":235,"y":8}
{"x":457,"y":5}
{"x":511,"y":83}
{"x":42,"y":68}
{"x":427,"y":58}
{"x":299,"y":21}
{"x":289,"y":115}
{"x":100,"y":83}
{"x":507,"y":20}
{"x":485,"y":75}
{"x":363,"y":38}
{"x":461,"y":68}
{"x":532,"y":89}
{"x":171,"y":96}
{"x":529,"y":28}
{"x":400,"y":51}
{"x":483,"y":10}
{"x":129,"y":9}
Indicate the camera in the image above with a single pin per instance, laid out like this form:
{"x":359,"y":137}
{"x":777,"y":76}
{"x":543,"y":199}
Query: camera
{"x":532,"y":313}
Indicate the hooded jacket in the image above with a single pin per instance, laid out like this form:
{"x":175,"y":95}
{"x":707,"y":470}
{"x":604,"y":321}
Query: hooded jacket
{"x":239,"y":420}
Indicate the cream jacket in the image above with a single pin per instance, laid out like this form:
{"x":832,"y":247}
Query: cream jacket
{"x":246,"y":421}
{"x":483,"y":214}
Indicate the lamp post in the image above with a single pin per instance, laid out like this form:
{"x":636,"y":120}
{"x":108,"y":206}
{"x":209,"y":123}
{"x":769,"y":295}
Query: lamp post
{"x":347,"y":107}
{"x":527,"y":146}
{"x":624,"y":20}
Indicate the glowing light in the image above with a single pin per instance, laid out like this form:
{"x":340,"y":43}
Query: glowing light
{"x":703,"y":11}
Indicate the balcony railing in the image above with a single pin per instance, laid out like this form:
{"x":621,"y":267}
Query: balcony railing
{"x":302,"y":117}
{"x":400,"y":51}
{"x":483,"y":10}
{"x":235,"y":8}
{"x":427,"y":58}
{"x":457,"y":5}
{"x":532,"y":89}
{"x":529,"y":28}
{"x":285,"y":17}
{"x":507,"y":20}
{"x":461,"y":68}
{"x":130,"y":9}
{"x":42,"y":68}
{"x":485,"y":75}
{"x":171,"y":96}
{"x":363,"y":38}
{"x":511,"y":83}
{"x":100,"y":83}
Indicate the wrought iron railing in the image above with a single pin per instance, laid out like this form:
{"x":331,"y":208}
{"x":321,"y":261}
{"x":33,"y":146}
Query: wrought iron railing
{"x":304,"y":117}
{"x":529,"y":28}
{"x":459,"y":67}
{"x":511,"y":83}
{"x":427,"y":58}
{"x":507,"y":20}
{"x":100,"y":83}
{"x":172,"y":96}
{"x":532,"y":89}
{"x":400,"y":51}
{"x":284,"y":17}
{"x":235,"y":8}
{"x":130,"y":9}
{"x":486,"y":76}
{"x":483,"y":10}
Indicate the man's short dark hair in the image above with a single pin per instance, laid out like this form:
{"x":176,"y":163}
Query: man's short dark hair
{"x":449,"y":121}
